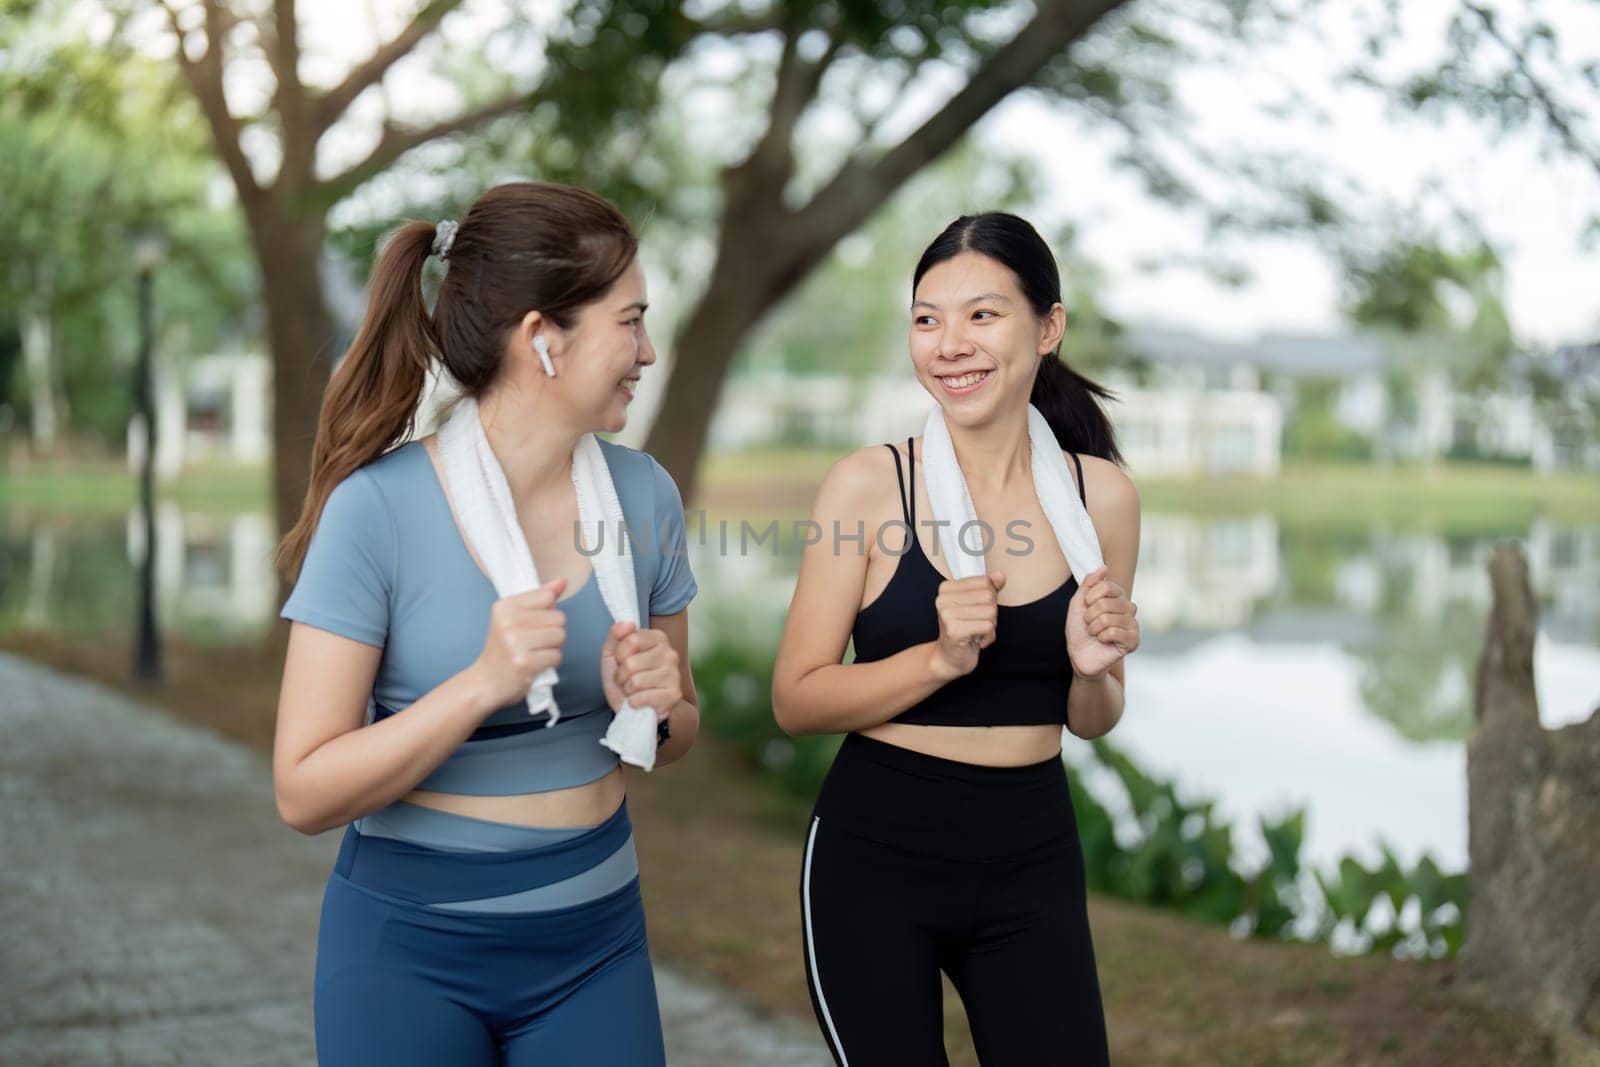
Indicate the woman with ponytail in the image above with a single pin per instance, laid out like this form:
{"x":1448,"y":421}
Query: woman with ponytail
{"x":485,"y":906}
{"x":944,"y":837}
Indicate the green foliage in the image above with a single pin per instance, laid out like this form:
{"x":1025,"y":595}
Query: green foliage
{"x":1181,"y":857}
{"x":1440,"y":901}
{"x":1416,"y":674}
{"x":1440,"y":309}
{"x":685,"y":99}
{"x":1469,"y":452}
{"x":94,"y":145}
{"x":1404,"y":285}
{"x":1312,"y":554}
{"x":1565,"y":383}
{"x":735,"y":678}
{"x":1417,"y":287}
{"x":1314,"y":431}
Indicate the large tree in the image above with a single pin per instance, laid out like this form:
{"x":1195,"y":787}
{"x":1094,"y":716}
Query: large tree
{"x":768,"y":240}
{"x":601,"y":71}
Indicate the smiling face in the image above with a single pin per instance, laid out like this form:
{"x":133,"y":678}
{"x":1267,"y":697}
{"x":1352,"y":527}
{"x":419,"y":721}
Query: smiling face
{"x":599,"y":360}
{"x":975,"y":339}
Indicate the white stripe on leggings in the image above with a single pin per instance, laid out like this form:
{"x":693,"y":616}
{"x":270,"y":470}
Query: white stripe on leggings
{"x":811,"y":944}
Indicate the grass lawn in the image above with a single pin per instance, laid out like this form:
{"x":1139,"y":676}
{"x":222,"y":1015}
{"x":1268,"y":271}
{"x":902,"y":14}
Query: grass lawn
{"x":1458,"y":496}
{"x":97,"y":489}
{"x":772,"y":483}
{"x":720,"y":855}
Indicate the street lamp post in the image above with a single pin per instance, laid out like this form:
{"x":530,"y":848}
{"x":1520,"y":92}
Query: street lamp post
{"x":149,"y":247}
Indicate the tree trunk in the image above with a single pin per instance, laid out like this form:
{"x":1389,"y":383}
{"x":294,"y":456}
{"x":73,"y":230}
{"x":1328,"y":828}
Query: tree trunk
{"x":300,"y":334}
{"x":763,"y":253}
{"x":1533,"y":931}
{"x":702,"y":352}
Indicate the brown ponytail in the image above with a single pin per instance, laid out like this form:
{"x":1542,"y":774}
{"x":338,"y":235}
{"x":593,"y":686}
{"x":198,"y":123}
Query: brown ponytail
{"x":371,"y":401}
{"x":522,"y":246}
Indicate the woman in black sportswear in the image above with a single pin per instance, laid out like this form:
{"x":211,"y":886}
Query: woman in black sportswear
{"x":944,"y":836}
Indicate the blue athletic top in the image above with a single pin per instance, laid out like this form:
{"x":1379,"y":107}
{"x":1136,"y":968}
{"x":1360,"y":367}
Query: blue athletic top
{"x":387,"y":566}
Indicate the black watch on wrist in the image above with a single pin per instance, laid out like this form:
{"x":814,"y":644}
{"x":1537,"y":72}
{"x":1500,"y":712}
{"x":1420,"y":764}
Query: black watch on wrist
{"x":663,"y":730}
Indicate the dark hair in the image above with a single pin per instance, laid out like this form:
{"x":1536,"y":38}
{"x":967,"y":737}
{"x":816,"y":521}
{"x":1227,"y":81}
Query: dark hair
{"x":1069,"y":402}
{"x":522,"y":246}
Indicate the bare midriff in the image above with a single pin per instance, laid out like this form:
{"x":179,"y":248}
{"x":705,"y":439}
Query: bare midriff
{"x":589,"y":804}
{"x":988,"y":746}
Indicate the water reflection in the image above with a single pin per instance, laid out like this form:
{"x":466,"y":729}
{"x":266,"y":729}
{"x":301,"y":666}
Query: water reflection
{"x":1407,"y":601}
{"x":74,"y":575}
{"x":1205,"y":575}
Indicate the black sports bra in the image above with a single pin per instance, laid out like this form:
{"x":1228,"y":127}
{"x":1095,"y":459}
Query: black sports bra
{"x":1020,"y":680}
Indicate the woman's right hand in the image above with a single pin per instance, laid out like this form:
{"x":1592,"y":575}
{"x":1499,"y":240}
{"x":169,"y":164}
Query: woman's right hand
{"x":526,"y":632}
{"x":967,"y":609}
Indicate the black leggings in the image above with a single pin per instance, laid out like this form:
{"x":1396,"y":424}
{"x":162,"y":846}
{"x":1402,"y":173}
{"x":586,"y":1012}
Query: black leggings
{"x":916,"y":864}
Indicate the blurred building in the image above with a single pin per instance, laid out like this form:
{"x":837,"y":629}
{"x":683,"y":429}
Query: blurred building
{"x":1185,"y":405}
{"x":1397,"y":395}
{"x":215,"y":409}
{"x":1187,"y":424}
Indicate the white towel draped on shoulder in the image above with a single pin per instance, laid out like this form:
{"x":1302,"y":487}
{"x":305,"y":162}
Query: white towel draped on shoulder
{"x":488,"y":516}
{"x":952,"y":502}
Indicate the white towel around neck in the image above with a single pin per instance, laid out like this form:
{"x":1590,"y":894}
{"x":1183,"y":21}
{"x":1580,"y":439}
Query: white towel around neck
{"x":952,"y":502}
{"x":488,"y":517}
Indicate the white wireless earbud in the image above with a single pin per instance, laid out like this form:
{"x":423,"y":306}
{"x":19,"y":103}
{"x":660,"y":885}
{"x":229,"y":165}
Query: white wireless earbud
{"x":541,"y":346}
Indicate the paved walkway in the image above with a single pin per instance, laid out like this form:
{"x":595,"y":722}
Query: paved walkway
{"x":153,"y":910}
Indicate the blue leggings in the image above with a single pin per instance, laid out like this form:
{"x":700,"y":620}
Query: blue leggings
{"x":402,"y":982}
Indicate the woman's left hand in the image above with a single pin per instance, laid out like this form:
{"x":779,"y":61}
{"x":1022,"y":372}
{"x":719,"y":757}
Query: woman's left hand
{"x":640,"y":667}
{"x":1102,"y":625}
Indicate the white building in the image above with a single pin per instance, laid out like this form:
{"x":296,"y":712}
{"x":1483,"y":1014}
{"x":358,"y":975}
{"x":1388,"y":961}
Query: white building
{"x":1180,"y":429}
{"x":1197,"y":406}
{"x":1394,"y":391}
{"x":215,"y":409}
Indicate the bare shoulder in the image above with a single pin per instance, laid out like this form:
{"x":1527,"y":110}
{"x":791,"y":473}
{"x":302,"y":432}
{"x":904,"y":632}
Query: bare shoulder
{"x":857,"y":481}
{"x":1110,"y":492}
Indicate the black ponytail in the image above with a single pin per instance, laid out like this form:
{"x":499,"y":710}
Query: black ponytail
{"x":1069,"y":402}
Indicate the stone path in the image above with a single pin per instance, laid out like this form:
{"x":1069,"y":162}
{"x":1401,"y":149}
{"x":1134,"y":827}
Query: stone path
{"x":154,"y":910}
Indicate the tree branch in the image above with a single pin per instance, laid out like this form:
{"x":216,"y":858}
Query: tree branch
{"x":396,"y":141}
{"x":871,"y":124}
{"x":862,"y":184}
{"x":285,"y":52}
{"x":774,"y":152}
{"x":289,"y":98}
{"x":205,"y":81}
{"x":1557,"y":116}
{"x":337,"y":100}
{"x":771,"y":162}
{"x":740,"y":24}
{"x":820,"y":67}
